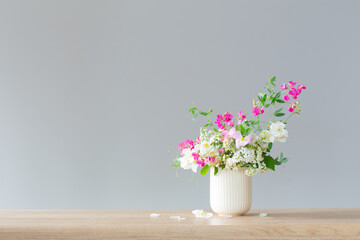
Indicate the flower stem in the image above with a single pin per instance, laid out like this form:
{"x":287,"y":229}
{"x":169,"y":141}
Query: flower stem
{"x":289,"y":117}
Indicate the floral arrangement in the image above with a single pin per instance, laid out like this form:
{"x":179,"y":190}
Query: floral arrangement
{"x":238,"y":142}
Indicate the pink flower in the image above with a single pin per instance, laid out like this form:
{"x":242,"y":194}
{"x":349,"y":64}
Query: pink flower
{"x":219,"y":119}
{"x":291,"y":83}
{"x":209,"y":159}
{"x":196,"y":156}
{"x":234,"y":134}
{"x":241,"y":117}
{"x":294,"y":93}
{"x":231,"y":124}
{"x":200,"y":162}
{"x":283,"y":86}
{"x":242,"y":141}
{"x":221,"y":151}
{"x":301,"y":87}
{"x":292,"y":107}
{"x":239,"y":139}
{"x":190,"y":144}
{"x":198,"y":139}
{"x":286,"y":98}
{"x":256,"y":111}
{"x":227,"y":117}
{"x":182,"y":145}
{"x":226,"y":134}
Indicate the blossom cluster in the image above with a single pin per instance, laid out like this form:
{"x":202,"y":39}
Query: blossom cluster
{"x":234,"y":142}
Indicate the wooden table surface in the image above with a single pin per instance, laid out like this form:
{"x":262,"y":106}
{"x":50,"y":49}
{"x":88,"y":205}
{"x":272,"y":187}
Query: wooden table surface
{"x":137,"y":224}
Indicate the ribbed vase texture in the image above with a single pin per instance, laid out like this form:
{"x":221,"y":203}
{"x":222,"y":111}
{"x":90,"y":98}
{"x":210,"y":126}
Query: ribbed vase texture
{"x":230,"y":192}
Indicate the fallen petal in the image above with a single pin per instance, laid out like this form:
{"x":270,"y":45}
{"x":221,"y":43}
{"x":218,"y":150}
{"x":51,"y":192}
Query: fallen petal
{"x":177,"y":217}
{"x":154,"y":215}
{"x":263,"y":214}
{"x":180,"y":219}
{"x":202,"y":214}
{"x":197,"y":211}
{"x":229,"y":216}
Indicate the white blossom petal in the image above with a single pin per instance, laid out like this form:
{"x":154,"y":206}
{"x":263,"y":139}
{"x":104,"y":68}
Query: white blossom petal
{"x":153,"y":215}
{"x":263,"y":214}
{"x":202,"y":214}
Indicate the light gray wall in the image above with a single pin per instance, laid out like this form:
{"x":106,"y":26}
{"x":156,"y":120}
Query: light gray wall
{"x":93,"y":93}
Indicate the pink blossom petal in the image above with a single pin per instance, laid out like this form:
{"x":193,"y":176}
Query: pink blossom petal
{"x":283,"y":86}
{"x":286,"y":98}
{"x":291,"y":83}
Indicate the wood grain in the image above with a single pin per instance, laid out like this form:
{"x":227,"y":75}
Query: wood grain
{"x":137,"y":224}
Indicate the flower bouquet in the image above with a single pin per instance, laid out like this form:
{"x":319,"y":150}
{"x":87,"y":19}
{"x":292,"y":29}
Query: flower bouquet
{"x":238,"y":147}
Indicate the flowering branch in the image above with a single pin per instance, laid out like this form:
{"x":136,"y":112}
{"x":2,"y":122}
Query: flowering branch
{"x":237,"y":142}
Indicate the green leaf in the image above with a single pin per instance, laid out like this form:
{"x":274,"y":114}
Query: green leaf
{"x":270,"y":90}
{"x":267,"y":105}
{"x":237,"y":128}
{"x":206,"y":125}
{"x":204,"y":113}
{"x":282,"y":159}
{"x":204,"y":170}
{"x":270,"y":162}
{"x":277,"y":162}
{"x":195,"y":115}
{"x":269,"y":147}
{"x":278,"y":95}
{"x":176,"y":165}
{"x":264,"y":98}
{"x":272,"y":80}
{"x":280,"y":101}
{"x":254,"y":122}
{"x":215,"y":170}
{"x":248,"y":131}
{"x":279,"y":110}
{"x":242,"y":130}
{"x":279,"y":114}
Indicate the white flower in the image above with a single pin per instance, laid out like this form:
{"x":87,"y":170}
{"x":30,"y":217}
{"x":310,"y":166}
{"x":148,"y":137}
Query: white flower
{"x":283,"y":138}
{"x":205,"y":147}
{"x":267,"y":136}
{"x":250,"y":172}
{"x":188,"y":161}
{"x":244,"y":155}
{"x":277,"y":129}
{"x":153,"y":215}
{"x":279,"y":132}
{"x":230,"y":162}
{"x":202,"y":214}
{"x":208,"y":150}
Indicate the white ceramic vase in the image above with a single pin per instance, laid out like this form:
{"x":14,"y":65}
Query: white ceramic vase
{"x":230,"y":192}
